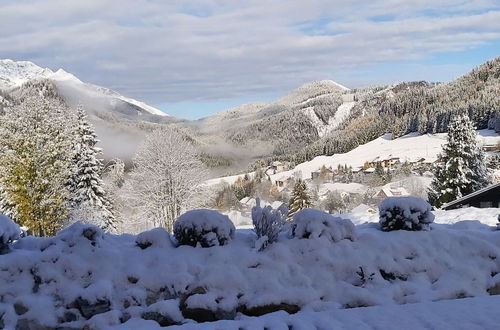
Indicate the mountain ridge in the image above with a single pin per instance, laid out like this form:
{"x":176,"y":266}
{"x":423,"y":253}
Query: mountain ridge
{"x":13,"y":74}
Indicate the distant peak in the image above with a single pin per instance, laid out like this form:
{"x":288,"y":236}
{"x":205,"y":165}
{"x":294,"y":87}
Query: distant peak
{"x":326,"y":83}
{"x":64,"y":75}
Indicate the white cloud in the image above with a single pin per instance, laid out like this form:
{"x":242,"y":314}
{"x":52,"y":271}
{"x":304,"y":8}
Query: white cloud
{"x":170,"y":51}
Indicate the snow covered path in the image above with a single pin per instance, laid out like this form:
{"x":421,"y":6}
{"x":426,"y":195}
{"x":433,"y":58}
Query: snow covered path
{"x":467,"y":314}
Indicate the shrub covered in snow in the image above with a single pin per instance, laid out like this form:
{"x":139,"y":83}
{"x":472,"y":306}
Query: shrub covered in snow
{"x":406,"y":213}
{"x":206,"y":227}
{"x":9,"y":231}
{"x":267,"y":225}
{"x":310,"y":223}
{"x":157,"y":237}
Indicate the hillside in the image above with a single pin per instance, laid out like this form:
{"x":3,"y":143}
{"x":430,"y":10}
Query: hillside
{"x":414,"y":107}
{"x":325,"y":118}
{"x":277,"y":129}
{"x":410,"y":148}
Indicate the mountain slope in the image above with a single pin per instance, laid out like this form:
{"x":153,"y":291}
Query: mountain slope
{"x":75,"y":92}
{"x":120,"y":122}
{"x":276,"y":129}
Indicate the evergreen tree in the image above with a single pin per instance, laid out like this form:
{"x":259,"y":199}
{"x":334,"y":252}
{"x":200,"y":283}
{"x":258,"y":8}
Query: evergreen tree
{"x":88,"y":200}
{"x":34,"y":153}
{"x":461,"y":167}
{"x":300,"y":198}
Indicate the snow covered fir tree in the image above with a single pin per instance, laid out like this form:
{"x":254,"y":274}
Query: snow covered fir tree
{"x":300,"y":198}
{"x":87,"y":197}
{"x":461,"y":167}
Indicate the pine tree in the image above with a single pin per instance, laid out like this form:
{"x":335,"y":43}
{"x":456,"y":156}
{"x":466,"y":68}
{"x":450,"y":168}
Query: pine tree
{"x":461,"y":167}
{"x":88,"y":200}
{"x":300,"y":198}
{"x":34,"y":153}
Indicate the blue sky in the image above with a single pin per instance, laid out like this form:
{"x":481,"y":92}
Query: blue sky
{"x":193,"y":58}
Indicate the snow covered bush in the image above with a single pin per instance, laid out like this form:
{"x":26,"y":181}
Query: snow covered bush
{"x":205,"y":227}
{"x":157,"y":237}
{"x":9,"y":231}
{"x":267,"y":225}
{"x":79,"y":234}
{"x":310,"y":223}
{"x":407,"y":213}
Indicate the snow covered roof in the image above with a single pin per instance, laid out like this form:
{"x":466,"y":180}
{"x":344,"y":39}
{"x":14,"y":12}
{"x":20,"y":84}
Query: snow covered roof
{"x":466,"y":197}
{"x":393,"y":192}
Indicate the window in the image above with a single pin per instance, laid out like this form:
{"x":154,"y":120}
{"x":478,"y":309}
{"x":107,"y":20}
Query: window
{"x":485,"y":204}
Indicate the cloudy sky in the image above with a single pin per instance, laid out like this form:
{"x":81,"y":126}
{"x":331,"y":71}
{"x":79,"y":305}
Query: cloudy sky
{"x":191,"y":58}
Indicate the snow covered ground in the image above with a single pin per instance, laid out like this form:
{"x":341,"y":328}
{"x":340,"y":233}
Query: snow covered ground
{"x":84,"y":277}
{"x":458,"y":314}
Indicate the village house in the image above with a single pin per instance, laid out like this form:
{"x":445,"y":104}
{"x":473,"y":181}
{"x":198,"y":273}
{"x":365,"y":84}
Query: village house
{"x":483,"y":198}
{"x":282,"y":183}
{"x":278,"y":166}
{"x":390,"y":192}
{"x":369,"y":170}
{"x":491,"y":147}
{"x":325,"y":174}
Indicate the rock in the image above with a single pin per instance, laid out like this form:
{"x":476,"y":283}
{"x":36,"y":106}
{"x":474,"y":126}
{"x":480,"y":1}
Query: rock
{"x":90,"y":234}
{"x":152,"y":298}
{"x":88,"y":309}
{"x":4,"y":248}
{"x":25,"y":324}
{"x":162,"y":320}
{"x":494,"y":290}
{"x":199,"y":314}
{"x":20,"y":309}
{"x":125,"y":317}
{"x":266,"y":309}
{"x":70,"y":316}
{"x":144,"y":245}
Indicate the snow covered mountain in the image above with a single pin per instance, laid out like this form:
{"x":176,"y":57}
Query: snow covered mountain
{"x":120,"y":122}
{"x":283,"y":127}
{"x":13,"y":74}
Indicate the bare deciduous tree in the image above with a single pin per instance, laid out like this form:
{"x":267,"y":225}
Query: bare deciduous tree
{"x":166,"y":178}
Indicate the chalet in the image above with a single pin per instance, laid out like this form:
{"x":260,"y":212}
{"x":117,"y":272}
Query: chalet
{"x":490,"y":147}
{"x":357,"y":170}
{"x":391,"y":161}
{"x":369,"y":170}
{"x":324,"y":174}
{"x":483,"y":198}
{"x":282,"y":183}
{"x":278,"y":166}
{"x":390,"y":192}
